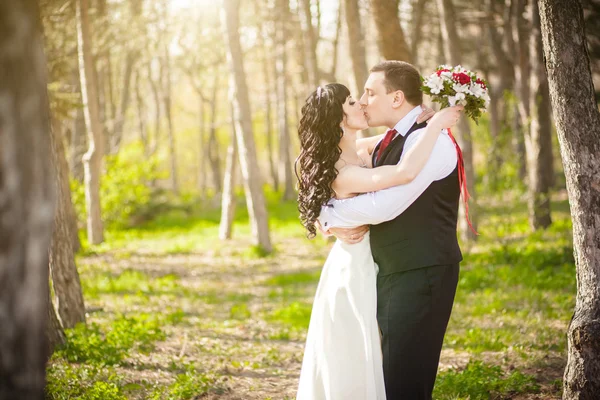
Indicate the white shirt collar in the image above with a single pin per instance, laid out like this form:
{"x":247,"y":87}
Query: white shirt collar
{"x":408,"y":121}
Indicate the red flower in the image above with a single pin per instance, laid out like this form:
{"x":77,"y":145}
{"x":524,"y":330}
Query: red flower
{"x":461,"y":78}
{"x":482,"y":83}
{"x":439,"y":71}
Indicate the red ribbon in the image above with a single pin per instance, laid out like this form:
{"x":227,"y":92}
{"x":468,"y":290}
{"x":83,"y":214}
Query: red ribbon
{"x":462,"y":180}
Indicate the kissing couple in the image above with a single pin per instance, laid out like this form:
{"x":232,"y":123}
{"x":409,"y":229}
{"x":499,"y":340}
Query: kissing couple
{"x":387,"y":288}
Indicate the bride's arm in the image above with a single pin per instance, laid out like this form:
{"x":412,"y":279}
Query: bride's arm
{"x":363,"y":180}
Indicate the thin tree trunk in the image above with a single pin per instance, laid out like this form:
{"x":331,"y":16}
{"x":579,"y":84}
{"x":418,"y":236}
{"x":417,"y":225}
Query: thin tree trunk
{"x":268,"y":99}
{"x":538,"y":141}
{"x":117,"y":135}
{"x":165,"y":73}
{"x":156,"y":95}
{"x":285,"y":162}
{"x":335,"y":45}
{"x":92,"y":159}
{"x":27,"y":202}
{"x":213,"y":144}
{"x":78,"y":143}
{"x":141,"y":113}
{"x":356,"y":39}
{"x":228,"y":198}
{"x":417,"y":28}
{"x":578,"y":126}
{"x":451,"y":42}
{"x":521,"y":33}
{"x":202,"y":147}
{"x":255,"y":199}
{"x":390,"y":36}
{"x":310,"y":36}
{"x":65,"y":277}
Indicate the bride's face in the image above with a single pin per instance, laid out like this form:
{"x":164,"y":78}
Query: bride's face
{"x":355,"y":116}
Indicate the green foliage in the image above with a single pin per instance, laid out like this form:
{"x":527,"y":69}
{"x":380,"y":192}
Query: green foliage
{"x":299,"y":278}
{"x":125,"y":189}
{"x":296,"y":315}
{"x":190,"y":385}
{"x":82,"y":382}
{"x":129,"y":281}
{"x":479,"y":381}
{"x":93,"y":345}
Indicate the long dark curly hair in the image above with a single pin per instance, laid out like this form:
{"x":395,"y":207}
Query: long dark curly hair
{"x":320,"y":134}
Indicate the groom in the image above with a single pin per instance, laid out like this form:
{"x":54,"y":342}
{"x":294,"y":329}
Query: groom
{"x":413,"y":235}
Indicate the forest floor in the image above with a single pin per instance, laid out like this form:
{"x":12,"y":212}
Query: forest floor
{"x":174,"y":313}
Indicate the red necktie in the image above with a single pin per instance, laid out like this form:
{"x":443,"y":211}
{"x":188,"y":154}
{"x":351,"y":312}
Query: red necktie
{"x":389,"y":136}
{"x":462,"y":180}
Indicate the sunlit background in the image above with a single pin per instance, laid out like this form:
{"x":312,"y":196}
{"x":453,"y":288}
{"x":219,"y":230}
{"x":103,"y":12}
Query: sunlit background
{"x":183,"y":299}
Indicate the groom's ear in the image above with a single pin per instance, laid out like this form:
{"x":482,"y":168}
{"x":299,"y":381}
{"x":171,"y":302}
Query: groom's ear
{"x":398,"y":99}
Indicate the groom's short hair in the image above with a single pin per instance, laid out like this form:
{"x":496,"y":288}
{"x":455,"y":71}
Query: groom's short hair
{"x":400,"y":75}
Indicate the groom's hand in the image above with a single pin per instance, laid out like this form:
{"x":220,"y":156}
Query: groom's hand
{"x":425,"y":115}
{"x":350,"y":235}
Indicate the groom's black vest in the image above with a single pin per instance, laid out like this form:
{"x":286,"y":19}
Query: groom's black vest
{"x":425,"y":234}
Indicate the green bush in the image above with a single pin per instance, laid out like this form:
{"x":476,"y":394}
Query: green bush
{"x":82,"y":382}
{"x":89,"y":344}
{"x":125,"y":190}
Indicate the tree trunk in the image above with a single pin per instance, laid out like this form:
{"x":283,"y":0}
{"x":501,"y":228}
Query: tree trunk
{"x":285,"y":162}
{"x":538,"y":141}
{"x":27,"y":202}
{"x":255,"y":199}
{"x":268,"y":99}
{"x":78,"y":139}
{"x":335,"y":45}
{"x":165,"y":74}
{"x":228,"y":198}
{"x":578,"y":126}
{"x":92,"y":159}
{"x":213,"y":154}
{"x":452,"y":51}
{"x":155,"y":86}
{"x":310,"y":37}
{"x":356,"y":40}
{"x":54,"y":331}
{"x":417,"y":27}
{"x":141,"y":113}
{"x":117,"y":134}
{"x":390,"y":36}
{"x":65,"y":277}
{"x":202,"y":147}
{"x":521,"y":31}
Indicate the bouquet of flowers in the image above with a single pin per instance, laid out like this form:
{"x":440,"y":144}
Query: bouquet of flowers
{"x":451,"y":86}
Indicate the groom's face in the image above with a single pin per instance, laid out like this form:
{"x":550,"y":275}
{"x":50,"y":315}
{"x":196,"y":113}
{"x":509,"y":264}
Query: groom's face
{"x":376,"y":102}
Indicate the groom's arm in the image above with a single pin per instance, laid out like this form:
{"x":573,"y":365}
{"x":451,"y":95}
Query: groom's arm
{"x":377,"y":207}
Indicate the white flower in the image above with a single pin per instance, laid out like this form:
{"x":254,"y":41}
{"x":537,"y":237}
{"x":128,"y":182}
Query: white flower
{"x":447,"y":75}
{"x":435,"y":83}
{"x":459,"y":98}
{"x":458,"y":88}
{"x":477,"y":90}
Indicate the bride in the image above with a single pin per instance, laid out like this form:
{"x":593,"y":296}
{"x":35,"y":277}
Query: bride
{"x":342,"y":356}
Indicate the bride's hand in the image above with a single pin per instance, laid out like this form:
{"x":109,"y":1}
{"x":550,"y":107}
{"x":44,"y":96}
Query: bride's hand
{"x":350,"y":235}
{"x":447,"y":117}
{"x":425,"y":115}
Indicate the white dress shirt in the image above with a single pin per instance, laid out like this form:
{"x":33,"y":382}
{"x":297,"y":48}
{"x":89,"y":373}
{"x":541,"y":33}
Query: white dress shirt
{"x":376,"y":207}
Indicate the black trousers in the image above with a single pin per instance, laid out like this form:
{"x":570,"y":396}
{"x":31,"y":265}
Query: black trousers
{"x":413,"y":309}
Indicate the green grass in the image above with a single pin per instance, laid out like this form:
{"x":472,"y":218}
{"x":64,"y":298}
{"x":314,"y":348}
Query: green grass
{"x":480,"y":381}
{"x":179,"y":314}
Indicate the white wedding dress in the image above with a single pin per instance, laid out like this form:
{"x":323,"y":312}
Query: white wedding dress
{"x":342,"y":356}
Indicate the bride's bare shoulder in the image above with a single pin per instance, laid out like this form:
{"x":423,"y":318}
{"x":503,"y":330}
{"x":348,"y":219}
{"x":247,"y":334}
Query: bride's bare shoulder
{"x":342,"y":184}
